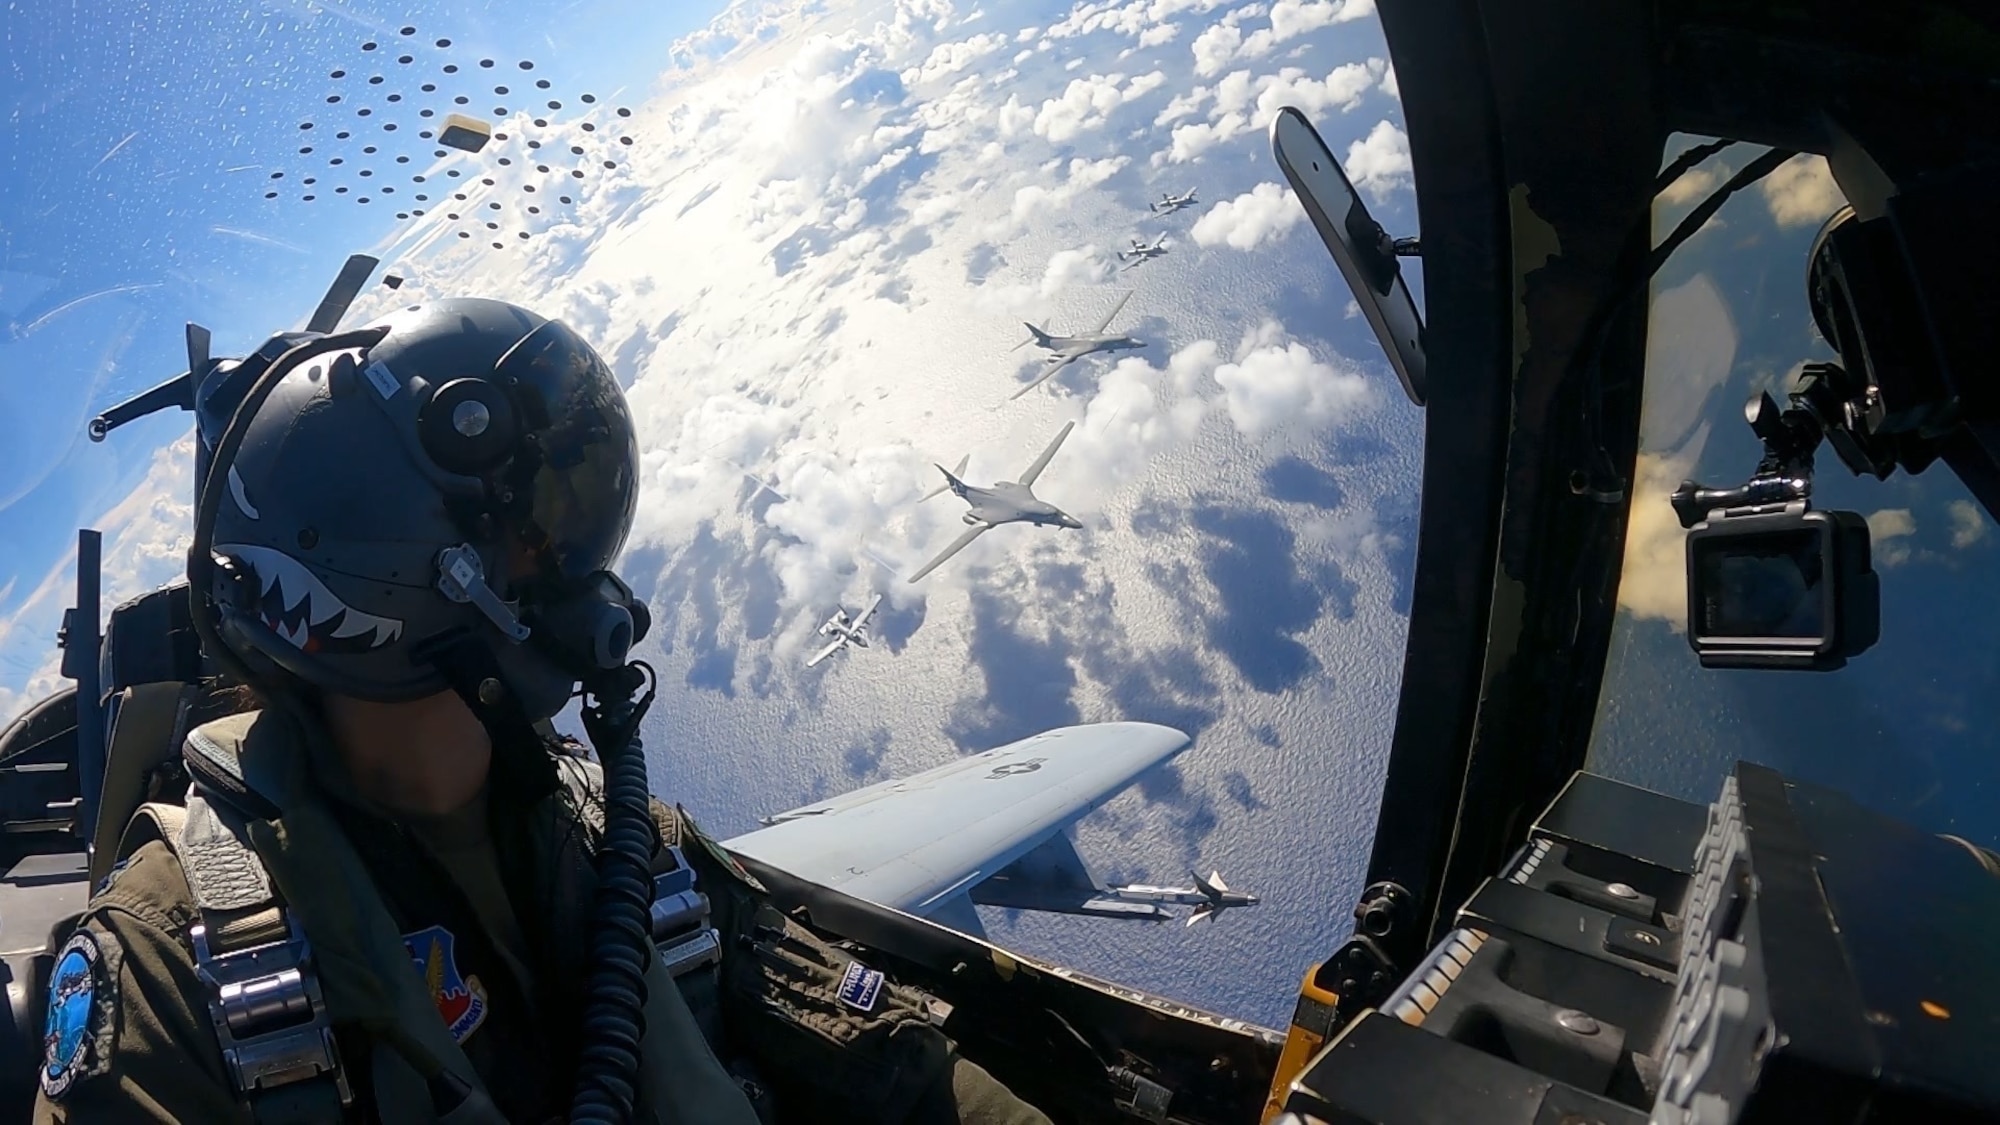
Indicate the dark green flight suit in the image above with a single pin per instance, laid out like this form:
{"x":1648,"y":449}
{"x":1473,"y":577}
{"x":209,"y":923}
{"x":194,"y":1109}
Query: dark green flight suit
{"x":496,"y":1000}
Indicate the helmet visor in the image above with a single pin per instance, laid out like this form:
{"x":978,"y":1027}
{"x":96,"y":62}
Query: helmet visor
{"x":572,"y":486}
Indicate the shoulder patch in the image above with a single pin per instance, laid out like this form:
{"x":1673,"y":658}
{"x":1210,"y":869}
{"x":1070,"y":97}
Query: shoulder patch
{"x":860,"y":987}
{"x":460,"y":1000}
{"x":83,"y":985}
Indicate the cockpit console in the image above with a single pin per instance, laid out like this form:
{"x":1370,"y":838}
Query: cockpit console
{"x":1643,"y":960}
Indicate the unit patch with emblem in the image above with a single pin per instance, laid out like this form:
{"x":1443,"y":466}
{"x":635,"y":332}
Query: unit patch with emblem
{"x":75,"y":1043}
{"x":860,"y":987}
{"x":460,"y":1000}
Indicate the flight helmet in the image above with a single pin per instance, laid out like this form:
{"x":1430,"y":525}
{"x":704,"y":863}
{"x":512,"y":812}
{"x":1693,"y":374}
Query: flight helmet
{"x":458,"y":484}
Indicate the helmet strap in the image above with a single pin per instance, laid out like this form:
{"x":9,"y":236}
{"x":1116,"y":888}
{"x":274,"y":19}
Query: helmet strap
{"x":474,"y":672}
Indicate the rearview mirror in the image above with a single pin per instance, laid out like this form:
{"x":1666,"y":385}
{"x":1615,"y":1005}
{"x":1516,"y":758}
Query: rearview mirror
{"x":1365,"y":252}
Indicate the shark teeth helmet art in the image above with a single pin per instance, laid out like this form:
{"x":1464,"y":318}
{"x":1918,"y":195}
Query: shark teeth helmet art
{"x":468,"y":476}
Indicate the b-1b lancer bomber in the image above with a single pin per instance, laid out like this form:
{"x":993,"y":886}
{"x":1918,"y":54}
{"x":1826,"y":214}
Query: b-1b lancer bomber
{"x":1143,"y":251}
{"x":1065,"y":350}
{"x":1170,"y":203}
{"x":845,"y":632}
{"x":1004,"y":502}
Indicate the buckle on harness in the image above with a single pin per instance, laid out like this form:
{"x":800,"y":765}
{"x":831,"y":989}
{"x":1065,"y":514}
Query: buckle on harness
{"x":266,"y":1006}
{"x":680,"y":920}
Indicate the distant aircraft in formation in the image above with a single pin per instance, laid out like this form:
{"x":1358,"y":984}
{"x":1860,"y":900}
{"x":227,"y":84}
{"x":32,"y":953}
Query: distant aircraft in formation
{"x":1142,"y":251}
{"x":1004,"y":502}
{"x":845,"y":632}
{"x":1065,"y":350}
{"x":1170,"y":203}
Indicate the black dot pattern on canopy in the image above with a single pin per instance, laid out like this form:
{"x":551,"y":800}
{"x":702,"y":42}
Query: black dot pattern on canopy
{"x":494,"y":165}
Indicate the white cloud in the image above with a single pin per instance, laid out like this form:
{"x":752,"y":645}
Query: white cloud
{"x":1182,"y":105}
{"x":1290,"y":19}
{"x":1968,"y":523}
{"x":1037,"y":199}
{"x":1693,"y":184}
{"x":949,"y":58}
{"x":1244,"y":103}
{"x":1275,"y":381}
{"x":1015,"y":117}
{"x":1690,"y":350}
{"x":1801,"y":191}
{"x":1884,"y":529}
{"x":1380,"y":162}
{"x":1653,"y":583}
{"x":1215,"y":48}
{"x":1158,"y":34}
{"x":1087,"y":102}
{"x":1082,"y":266}
{"x":1137,"y":412}
{"x":1251,"y":219}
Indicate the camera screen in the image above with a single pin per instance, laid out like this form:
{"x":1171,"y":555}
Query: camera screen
{"x":1762,"y":585}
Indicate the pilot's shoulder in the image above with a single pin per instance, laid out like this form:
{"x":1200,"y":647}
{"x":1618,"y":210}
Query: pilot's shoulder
{"x":698,"y":848}
{"x":149,"y":887}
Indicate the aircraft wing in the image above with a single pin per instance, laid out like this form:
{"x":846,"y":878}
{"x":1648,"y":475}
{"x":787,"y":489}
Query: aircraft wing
{"x":1054,"y":365}
{"x":829,"y":650}
{"x":1110,"y":316}
{"x":957,"y":545}
{"x":1042,"y":462}
{"x":920,"y":843}
{"x":867,"y":611}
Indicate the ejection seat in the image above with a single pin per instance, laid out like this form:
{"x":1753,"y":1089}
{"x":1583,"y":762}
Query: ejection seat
{"x":152,"y":680}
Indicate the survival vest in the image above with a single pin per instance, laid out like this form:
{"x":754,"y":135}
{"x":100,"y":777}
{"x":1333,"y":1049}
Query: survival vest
{"x":294,"y":937}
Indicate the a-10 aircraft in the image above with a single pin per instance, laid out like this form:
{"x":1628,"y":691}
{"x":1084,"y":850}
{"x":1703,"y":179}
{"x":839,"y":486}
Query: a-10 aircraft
{"x":989,"y":830}
{"x":845,"y":632}
{"x":1065,"y":350}
{"x":1003,"y":502}
{"x":1169,"y":203}
{"x":1140,"y":251}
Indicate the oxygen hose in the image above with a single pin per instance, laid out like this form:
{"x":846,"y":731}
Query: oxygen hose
{"x":614,"y":1007}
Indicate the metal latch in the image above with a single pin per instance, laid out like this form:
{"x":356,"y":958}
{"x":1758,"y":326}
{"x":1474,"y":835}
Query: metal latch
{"x":267,"y":1009}
{"x":680,"y":919}
{"x":1139,"y":1095}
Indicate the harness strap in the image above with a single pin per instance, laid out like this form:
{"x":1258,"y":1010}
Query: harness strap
{"x":264,"y":997}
